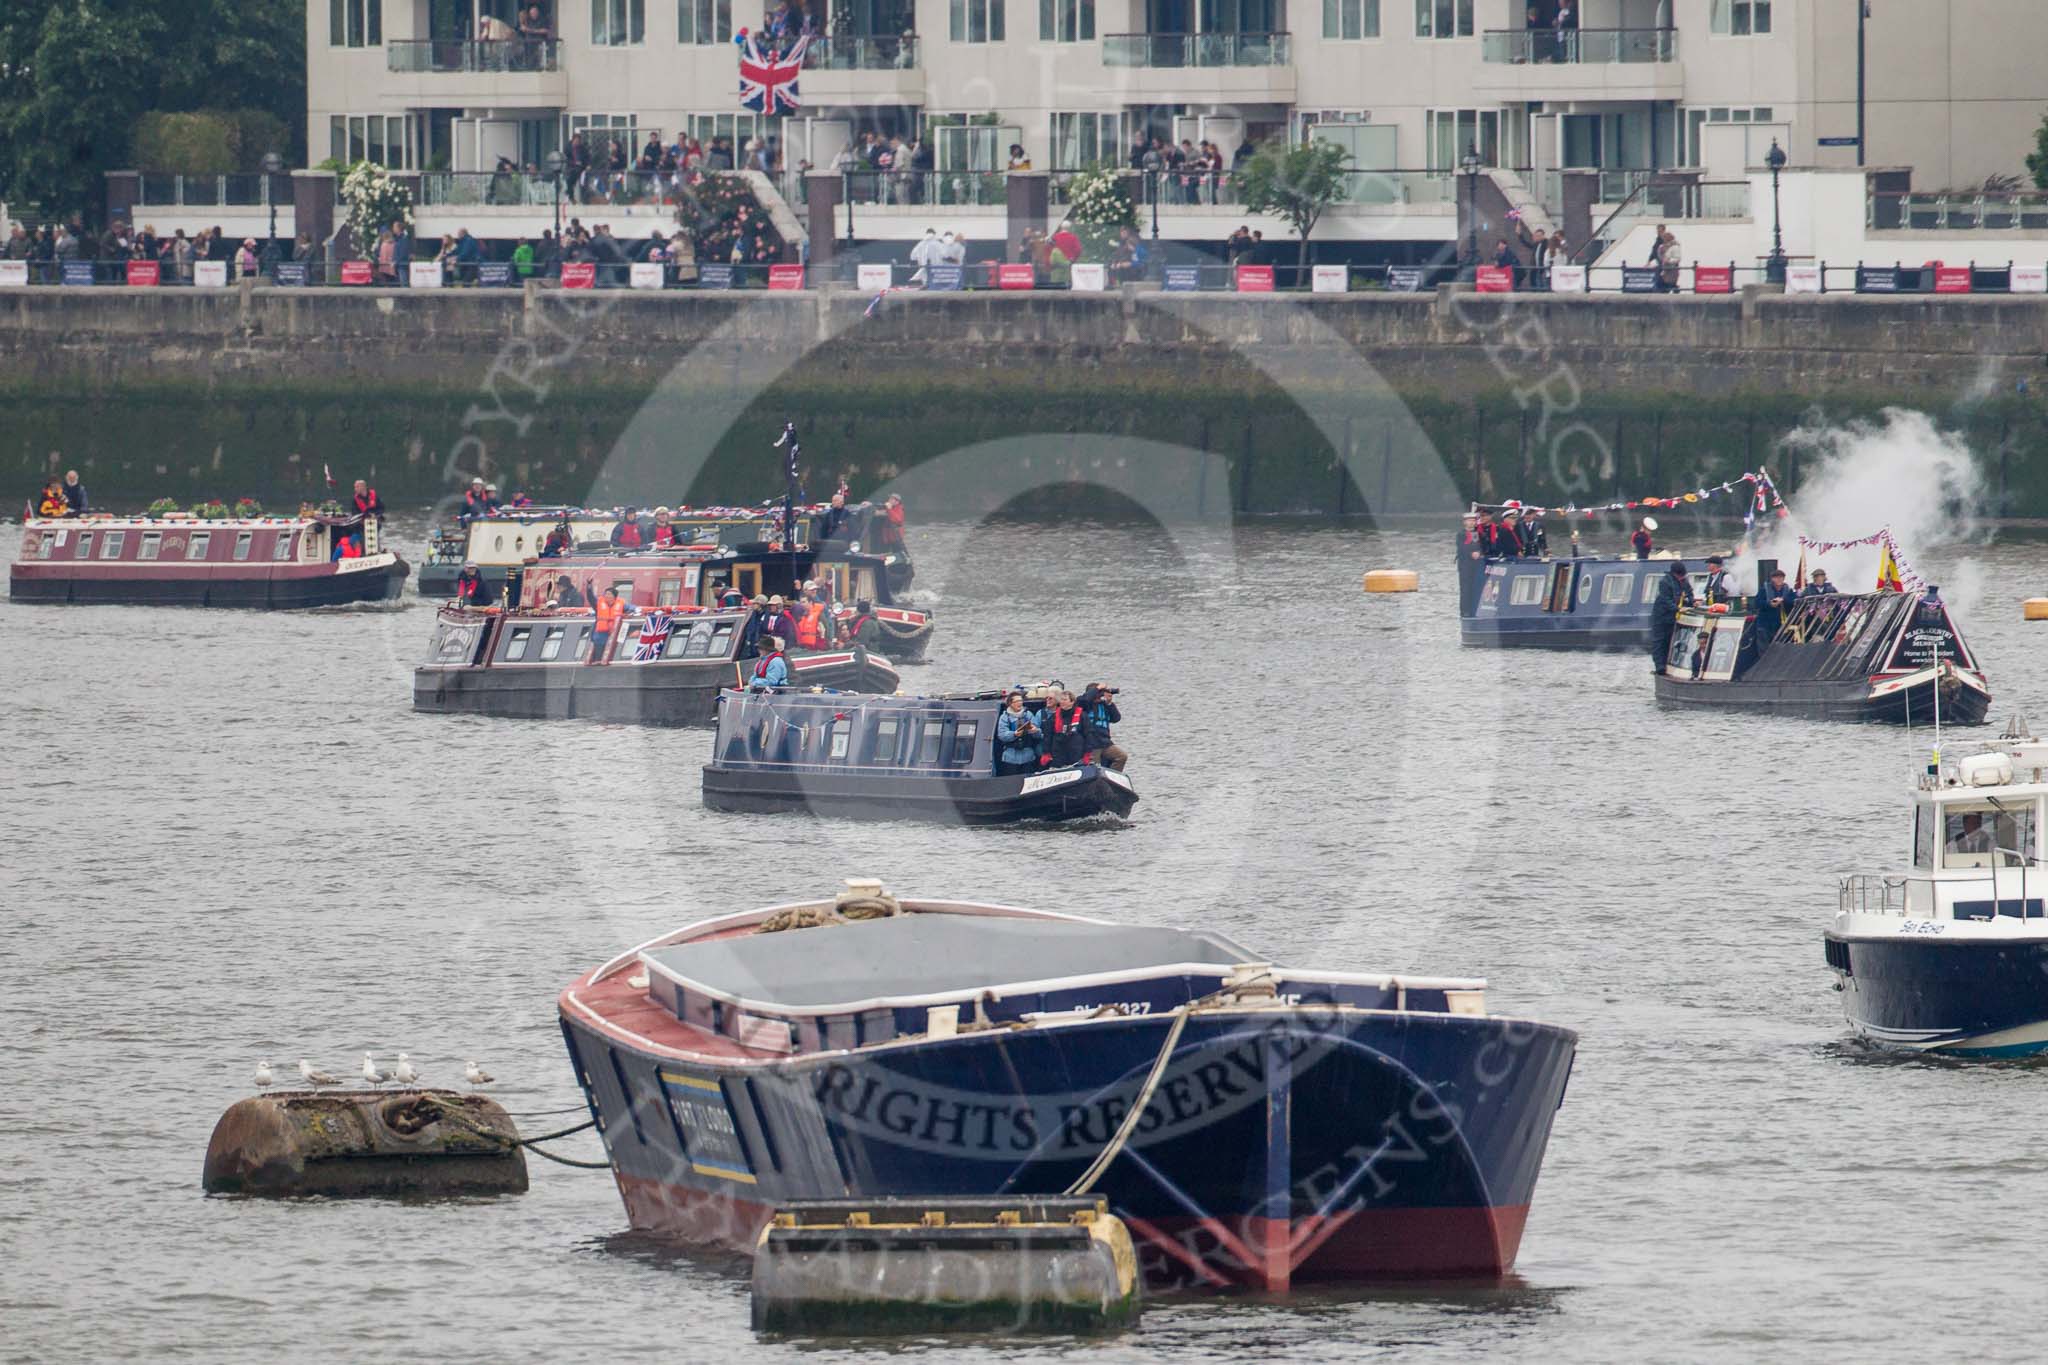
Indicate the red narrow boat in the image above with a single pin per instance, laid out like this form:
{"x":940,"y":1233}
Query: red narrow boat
{"x":186,"y":561}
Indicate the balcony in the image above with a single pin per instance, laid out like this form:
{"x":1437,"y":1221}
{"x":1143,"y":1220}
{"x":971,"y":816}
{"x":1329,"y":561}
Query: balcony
{"x":864,"y":70}
{"x":1587,"y":63}
{"x":518,"y":73}
{"x":1174,"y":67}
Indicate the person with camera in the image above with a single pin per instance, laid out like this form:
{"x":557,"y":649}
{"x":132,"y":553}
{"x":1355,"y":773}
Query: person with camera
{"x":1019,"y":742}
{"x":1098,"y":713}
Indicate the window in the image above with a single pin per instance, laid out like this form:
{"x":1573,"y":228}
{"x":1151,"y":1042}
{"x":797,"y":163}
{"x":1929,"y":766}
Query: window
{"x":1528,"y":590}
{"x":242,"y":539}
{"x":551,"y":644}
{"x":110,"y":548}
{"x":355,"y":23}
{"x":1066,"y":21}
{"x":386,"y":139}
{"x":888,"y":738}
{"x":739,"y":127}
{"x":963,"y":742}
{"x":837,"y":735}
{"x":43,"y":545}
{"x":1694,"y":150}
{"x":1443,"y":18}
{"x":84,"y":550}
{"x":152,"y":541}
{"x":704,"y":21}
{"x":1650,"y":587}
{"x":1452,"y":131}
{"x":1616,"y":587}
{"x":1351,"y":19}
{"x":202,"y":542}
{"x":281,"y":549}
{"x":978,"y":21}
{"x":1742,"y":18}
{"x":617,"y":23}
{"x":1984,"y":836}
{"x":624,"y":588}
{"x":668,"y":592}
{"x":1079,"y":141}
{"x":931,"y":743}
{"x":515,"y":646}
{"x":1585,"y":589}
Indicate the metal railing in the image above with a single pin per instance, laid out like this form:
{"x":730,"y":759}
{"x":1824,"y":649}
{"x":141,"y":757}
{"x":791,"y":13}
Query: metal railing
{"x":926,"y":189}
{"x":1579,"y":46}
{"x":465,"y":189}
{"x":1197,"y":49}
{"x":862,"y":54}
{"x":493,"y":56}
{"x":1966,"y":211}
{"x":1205,"y":188}
{"x":1867,"y":893}
{"x":204,"y":191}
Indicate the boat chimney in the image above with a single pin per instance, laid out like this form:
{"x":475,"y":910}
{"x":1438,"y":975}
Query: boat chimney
{"x":1764,"y":569}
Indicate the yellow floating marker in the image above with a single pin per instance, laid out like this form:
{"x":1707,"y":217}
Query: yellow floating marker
{"x":1392,"y":580}
{"x":2034,"y":609}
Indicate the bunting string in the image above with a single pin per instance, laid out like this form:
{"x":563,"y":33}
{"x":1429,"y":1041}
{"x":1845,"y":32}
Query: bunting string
{"x":1756,"y":486}
{"x":1908,"y":575}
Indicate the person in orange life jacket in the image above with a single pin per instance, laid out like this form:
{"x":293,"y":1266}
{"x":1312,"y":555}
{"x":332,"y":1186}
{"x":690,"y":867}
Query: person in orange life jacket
{"x":350,"y":547}
{"x":1640,"y":541}
{"x":626,"y":535}
{"x":366,"y":500}
{"x":889,"y":528}
{"x":773,"y":668}
{"x":609,"y":610}
{"x":1065,"y":728}
{"x":813,"y":623}
{"x":470,"y":588}
{"x":1098,"y":713}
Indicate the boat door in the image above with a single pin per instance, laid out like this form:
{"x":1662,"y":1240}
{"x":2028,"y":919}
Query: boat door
{"x":1562,"y":575}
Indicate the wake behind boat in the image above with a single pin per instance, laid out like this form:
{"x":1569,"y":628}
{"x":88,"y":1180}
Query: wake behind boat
{"x":1254,"y":1125}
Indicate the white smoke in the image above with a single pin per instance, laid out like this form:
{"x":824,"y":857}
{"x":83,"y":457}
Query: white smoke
{"x":1904,"y":473}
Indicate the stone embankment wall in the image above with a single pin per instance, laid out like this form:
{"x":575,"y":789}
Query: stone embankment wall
{"x":1301,"y":403}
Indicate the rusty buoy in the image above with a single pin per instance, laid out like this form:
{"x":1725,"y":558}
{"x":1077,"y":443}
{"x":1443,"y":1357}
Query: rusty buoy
{"x":365,"y":1142}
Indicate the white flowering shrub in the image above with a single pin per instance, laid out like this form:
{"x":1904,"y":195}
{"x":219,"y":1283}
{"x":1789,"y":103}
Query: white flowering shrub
{"x":375,"y":201}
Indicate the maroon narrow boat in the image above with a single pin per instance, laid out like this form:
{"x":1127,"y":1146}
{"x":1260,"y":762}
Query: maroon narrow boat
{"x":185,"y":561}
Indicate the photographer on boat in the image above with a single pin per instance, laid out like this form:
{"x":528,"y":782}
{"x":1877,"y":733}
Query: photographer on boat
{"x":1020,"y":745}
{"x":1066,"y":728}
{"x":1099,"y":712}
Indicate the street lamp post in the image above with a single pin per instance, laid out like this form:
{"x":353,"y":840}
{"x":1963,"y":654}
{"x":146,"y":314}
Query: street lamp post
{"x":1470,"y":164}
{"x":553,"y":162}
{"x":1774,"y":266}
{"x":1152,"y":183}
{"x":846,"y":193}
{"x":273,"y":166}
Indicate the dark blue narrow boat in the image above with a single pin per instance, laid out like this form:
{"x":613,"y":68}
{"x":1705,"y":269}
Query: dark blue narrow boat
{"x":1255,"y":1125}
{"x":1598,"y":604}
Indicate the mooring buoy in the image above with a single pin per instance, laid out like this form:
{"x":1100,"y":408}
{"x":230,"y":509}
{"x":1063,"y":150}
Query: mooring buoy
{"x":1392,"y":580}
{"x":364,"y":1142}
{"x":2034,"y":609}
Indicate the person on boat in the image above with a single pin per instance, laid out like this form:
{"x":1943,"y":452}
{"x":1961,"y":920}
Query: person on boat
{"x":1507,"y":536}
{"x":1772,"y":603}
{"x":1471,"y":563}
{"x":53,"y":503}
{"x":813,"y":623}
{"x":74,"y":494}
{"x":772,"y":669}
{"x":520,"y":502}
{"x":1817,"y":584}
{"x":781,"y":620}
{"x":757,"y":621}
{"x":475,"y":501}
{"x":860,"y":628}
{"x":470,"y":588}
{"x":664,"y":535}
{"x":367,"y":503}
{"x":610,"y":610}
{"x":626,"y":535}
{"x":1719,"y":591}
{"x":348,"y":547}
{"x":560,"y":541}
{"x":1674,"y":590}
{"x":1099,"y":711}
{"x":1641,"y":541}
{"x":1019,"y":745}
{"x":1066,"y":733}
{"x":888,"y":535}
{"x":1535,"y":544}
{"x":565,"y":594}
{"x":832,"y":521}
{"x":492,"y":502}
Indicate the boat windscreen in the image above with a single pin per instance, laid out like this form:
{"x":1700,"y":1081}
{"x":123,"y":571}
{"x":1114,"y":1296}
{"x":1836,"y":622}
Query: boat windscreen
{"x":926,"y":954}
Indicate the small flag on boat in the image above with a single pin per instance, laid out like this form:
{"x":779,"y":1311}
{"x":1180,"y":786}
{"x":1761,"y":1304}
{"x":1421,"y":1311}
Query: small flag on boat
{"x":1888,"y":579}
{"x":653,"y":637}
{"x":1799,"y":579}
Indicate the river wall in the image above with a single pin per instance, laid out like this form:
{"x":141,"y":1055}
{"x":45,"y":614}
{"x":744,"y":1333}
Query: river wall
{"x":1283,"y":403}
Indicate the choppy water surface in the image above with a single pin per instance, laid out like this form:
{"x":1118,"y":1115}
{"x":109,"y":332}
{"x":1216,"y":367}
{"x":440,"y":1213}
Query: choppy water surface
{"x":230,"y":837}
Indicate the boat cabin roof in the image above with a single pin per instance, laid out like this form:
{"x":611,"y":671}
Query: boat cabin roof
{"x":915,"y":959}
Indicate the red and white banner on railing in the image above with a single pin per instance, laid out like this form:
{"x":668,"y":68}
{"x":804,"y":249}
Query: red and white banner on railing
{"x":1255,"y":279}
{"x":1016,"y":275}
{"x":144,"y":272}
{"x":579,"y":274}
{"x":785,"y":277}
{"x":355,"y":272}
{"x":1952,"y":279}
{"x":1909,"y":578}
{"x":1713,"y":279}
{"x":1494,"y":279}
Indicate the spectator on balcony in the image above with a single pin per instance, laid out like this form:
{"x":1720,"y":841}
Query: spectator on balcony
{"x":179,"y":253}
{"x":1242,"y":157}
{"x":533,"y":25}
{"x":906,"y":50}
{"x":1140,"y":148}
{"x":1018,"y":161}
{"x":1566,"y":25}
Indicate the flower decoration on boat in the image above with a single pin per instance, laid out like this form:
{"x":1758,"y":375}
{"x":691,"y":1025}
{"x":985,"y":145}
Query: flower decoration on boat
{"x":213,"y":509}
{"x":163,"y":507}
{"x":248,"y":507}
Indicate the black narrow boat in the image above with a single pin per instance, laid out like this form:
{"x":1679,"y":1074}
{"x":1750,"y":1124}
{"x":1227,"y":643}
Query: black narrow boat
{"x":1879,"y":656}
{"x":890,"y":758}
{"x":1595,"y":604}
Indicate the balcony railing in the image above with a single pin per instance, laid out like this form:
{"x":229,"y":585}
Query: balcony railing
{"x":1196,"y":49}
{"x":1579,"y":46}
{"x":206,"y":191}
{"x":1193,"y":189}
{"x":862,"y":54}
{"x":1971,"y":211}
{"x":481,"y":55}
{"x":463,"y":189}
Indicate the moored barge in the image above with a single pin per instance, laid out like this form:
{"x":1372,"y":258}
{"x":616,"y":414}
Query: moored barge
{"x":891,"y":758}
{"x":181,"y":560}
{"x":1254,"y":1125}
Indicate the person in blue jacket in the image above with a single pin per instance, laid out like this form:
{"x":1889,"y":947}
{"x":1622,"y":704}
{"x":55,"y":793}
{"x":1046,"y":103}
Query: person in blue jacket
{"x":1772,"y":603}
{"x":1018,"y":740}
{"x":773,"y":669}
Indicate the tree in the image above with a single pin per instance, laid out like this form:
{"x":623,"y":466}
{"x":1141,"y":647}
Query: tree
{"x":2037,"y":160}
{"x":1296,"y":183}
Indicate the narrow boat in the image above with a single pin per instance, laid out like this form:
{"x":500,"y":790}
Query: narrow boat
{"x":890,"y":758}
{"x":666,"y":666}
{"x":1952,"y":955}
{"x":503,"y":541}
{"x":1254,"y":1125}
{"x":1878,"y":656}
{"x":181,"y":560}
{"x":1592,"y":604}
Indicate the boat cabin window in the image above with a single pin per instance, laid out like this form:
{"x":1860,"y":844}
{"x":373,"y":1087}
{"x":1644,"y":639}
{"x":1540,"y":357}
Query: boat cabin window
{"x":887,"y":739}
{"x":1650,"y":586}
{"x":42,"y":545}
{"x":152,"y":542}
{"x":515,"y":644}
{"x":932,"y":743}
{"x":1490,"y":594}
{"x":110,"y":548}
{"x":198,"y":546}
{"x":747,"y":578}
{"x":242,"y":540}
{"x":625,"y":590}
{"x":1586,"y":588}
{"x":1527,"y":590}
{"x":668,"y":592}
{"x":551,"y":643}
{"x":282,"y":549}
{"x":963,"y":742}
{"x":838,"y":736}
{"x":1977,"y":834}
{"x":1617,"y":587}
{"x":84,"y":550}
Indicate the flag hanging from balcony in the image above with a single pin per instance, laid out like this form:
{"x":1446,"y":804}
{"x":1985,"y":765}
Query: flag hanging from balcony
{"x":768,"y":79}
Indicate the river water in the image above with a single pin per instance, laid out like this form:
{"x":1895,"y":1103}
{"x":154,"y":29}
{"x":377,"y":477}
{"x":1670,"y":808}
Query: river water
{"x":230,"y":838}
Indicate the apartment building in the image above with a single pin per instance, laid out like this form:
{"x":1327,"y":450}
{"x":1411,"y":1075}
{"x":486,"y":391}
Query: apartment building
{"x":1952,"y":87}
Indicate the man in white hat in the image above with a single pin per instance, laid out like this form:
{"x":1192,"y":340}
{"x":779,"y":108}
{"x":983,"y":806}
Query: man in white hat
{"x":1641,"y":539}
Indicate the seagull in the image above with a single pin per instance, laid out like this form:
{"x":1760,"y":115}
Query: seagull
{"x":476,"y":1075}
{"x":370,"y":1072}
{"x":312,"y":1075}
{"x":263,"y":1077}
{"x":404,"y":1071}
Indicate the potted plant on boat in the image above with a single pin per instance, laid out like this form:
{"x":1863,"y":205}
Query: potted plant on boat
{"x":213,"y":509}
{"x":248,"y":508}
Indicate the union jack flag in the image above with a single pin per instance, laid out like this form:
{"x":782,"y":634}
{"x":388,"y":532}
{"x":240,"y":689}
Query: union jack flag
{"x":768,"y":80}
{"x":653,"y":637}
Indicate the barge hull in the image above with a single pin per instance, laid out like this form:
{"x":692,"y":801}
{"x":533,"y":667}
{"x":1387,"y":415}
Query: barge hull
{"x":1969,"y":997}
{"x":881,"y":796}
{"x":1852,"y":701}
{"x":284,"y":587}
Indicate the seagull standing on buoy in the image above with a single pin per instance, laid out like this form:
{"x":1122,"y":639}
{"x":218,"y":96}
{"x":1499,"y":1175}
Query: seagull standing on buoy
{"x":476,"y":1075}
{"x":405,"y":1072}
{"x":371,"y":1073}
{"x":313,"y":1075}
{"x":263,"y":1076}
